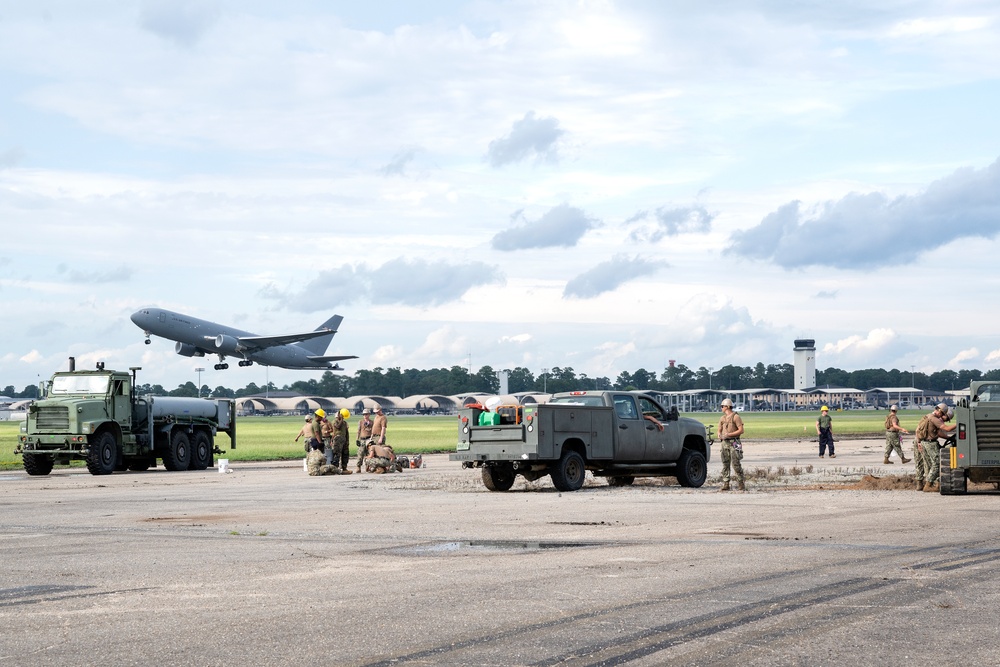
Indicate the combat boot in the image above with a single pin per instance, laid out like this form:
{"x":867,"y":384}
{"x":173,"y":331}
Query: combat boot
{"x":724,"y":487}
{"x":920,"y":485}
{"x":886,"y":461}
{"x":904,"y":459}
{"x":931,"y":488}
{"x":742,"y":487}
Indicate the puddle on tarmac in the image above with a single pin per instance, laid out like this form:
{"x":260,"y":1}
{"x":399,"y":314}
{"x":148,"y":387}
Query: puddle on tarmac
{"x":485,"y":547}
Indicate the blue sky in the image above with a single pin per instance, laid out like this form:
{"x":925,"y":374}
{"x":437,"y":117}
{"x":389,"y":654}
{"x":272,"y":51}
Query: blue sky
{"x":602,"y":185}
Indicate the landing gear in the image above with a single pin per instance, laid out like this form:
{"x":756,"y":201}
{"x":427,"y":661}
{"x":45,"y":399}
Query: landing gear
{"x":221,"y":367}
{"x":149,"y":342}
{"x":245,"y":362}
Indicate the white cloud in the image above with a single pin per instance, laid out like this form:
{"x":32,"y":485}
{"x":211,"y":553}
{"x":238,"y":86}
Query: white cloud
{"x":963,"y":356}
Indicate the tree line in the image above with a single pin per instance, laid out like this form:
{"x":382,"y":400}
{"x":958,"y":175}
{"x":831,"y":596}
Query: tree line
{"x":459,"y":380}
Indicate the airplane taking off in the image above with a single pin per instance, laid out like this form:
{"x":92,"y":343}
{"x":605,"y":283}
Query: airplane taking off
{"x":196,"y":338}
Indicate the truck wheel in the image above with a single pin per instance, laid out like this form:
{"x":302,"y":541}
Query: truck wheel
{"x":952,"y":481}
{"x":568,"y":474}
{"x":178,"y":453}
{"x":201,"y":451}
{"x":498,"y":477}
{"x":691,"y":469}
{"x":625,"y":480}
{"x":37,"y":464}
{"x":102,"y":455}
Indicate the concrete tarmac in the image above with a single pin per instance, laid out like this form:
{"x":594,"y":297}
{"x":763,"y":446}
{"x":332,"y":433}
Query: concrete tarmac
{"x":268,"y":566}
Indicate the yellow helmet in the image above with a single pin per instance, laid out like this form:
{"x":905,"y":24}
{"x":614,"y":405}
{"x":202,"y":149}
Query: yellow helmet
{"x":825,"y":408}
{"x":321,"y":413}
{"x":345,"y":413}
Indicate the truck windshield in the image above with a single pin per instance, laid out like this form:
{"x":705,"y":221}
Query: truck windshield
{"x":579,"y":400}
{"x":79,"y":384}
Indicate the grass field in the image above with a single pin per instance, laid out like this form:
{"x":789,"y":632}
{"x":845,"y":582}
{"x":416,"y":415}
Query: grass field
{"x":271,"y":438}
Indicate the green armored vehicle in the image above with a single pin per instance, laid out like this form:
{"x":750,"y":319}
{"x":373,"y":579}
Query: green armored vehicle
{"x":972,"y":452}
{"x":95,"y":416}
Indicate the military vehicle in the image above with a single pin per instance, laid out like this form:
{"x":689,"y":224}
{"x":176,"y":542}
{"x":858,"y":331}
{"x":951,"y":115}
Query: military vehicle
{"x":972,"y":452}
{"x":616,"y":435}
{"x":95,"y":416}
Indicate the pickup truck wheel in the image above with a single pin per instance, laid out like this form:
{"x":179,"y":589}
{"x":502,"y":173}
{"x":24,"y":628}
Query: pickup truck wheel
{"x":102,"y":456}
{"x":178,"y":453}
{"x":37,"y":464}
{"x":568,"y":474}
{"x":952,"y":481}
{"x":498,"y":477}
{"x":201,"y":451}
{"x":691,"y":469}
{"x":624,"y":480}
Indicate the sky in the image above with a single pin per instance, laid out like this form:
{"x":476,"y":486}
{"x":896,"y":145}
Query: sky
{"x":591,"y":184}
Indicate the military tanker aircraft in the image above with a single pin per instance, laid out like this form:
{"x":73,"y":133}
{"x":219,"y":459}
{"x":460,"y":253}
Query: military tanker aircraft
{"x":197,"y":338}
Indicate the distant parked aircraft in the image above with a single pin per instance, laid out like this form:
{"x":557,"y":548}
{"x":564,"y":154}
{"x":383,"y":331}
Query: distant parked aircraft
{"x":197,"y":338}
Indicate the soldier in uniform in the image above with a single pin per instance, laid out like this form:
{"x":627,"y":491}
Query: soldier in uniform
{"x":730,"y":429}
{"x":824,"y":429}
{"x":364,"y":435}
{"x":341,"y":436}
{"x":930,"y":429}
{"x":378,"y":426}
{"x":380,"y":459}
{"x":893,"y":439}
{"x":328,"y":448}
{"x":316,"y":462}
{"x":317,"y":428}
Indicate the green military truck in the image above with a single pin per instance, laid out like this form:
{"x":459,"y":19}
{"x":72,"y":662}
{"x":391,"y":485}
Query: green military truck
{"x":95,"y":416}
{"x":972,"y":452}
{"x":615,"y":435}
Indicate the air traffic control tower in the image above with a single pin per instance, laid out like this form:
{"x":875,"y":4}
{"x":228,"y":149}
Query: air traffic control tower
{"x":805,"y":363}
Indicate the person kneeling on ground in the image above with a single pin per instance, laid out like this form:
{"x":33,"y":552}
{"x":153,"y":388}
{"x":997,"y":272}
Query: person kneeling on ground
{"x":316,"y":461}
{"x":380,"y":459}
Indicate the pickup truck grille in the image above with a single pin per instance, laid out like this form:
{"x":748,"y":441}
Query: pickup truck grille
{"x":988,"y":434}
{"x":52,"y":418}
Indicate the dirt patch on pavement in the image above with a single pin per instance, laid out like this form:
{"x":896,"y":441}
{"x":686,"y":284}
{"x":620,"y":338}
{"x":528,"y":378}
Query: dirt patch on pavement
{"x":884,"y":483}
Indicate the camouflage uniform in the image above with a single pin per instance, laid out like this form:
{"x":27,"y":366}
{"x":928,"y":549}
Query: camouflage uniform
{"x":364,"y":435}
{"x":381,"y":457}
{"x":893,"y":438}
{"x":328,"y":442}
{"x":316,"y":463}
{"x":732,"y":449}
{"x":824,"y":425}
{"x":341,"y":450}
{"x":918,"y":461}
{"x":932,"y":448}
{"x":317,"y":431}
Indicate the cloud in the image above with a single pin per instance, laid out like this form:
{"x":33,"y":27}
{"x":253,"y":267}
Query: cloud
{"x":671,"y":222}
{"x":872,"y":348}
{"x":993,"y":356}
{"x":529,"y":137}
{"x":608,"y":275}
{"x":963,"y":356}
{"x":519,"y":338}
{"x":563,"y":226}
{"x":32,"y":357}
{"x":397,"y":166}
{"x":415,"y":282}
{"x":827,"y":294}
{"x":119,"y":274}
{"x":180,"y":21}
{"x":11,"y":157}
{"x":867,"y":231}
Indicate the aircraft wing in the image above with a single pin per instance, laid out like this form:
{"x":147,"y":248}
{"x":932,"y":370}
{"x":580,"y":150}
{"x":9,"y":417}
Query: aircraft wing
{"x":323,"y":360}
{"x":261,"y":342}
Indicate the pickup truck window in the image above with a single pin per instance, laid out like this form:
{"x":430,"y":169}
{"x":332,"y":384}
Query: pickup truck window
{"x":650,"y":408}
{"x":625,"y":407}
{"x":988,"y":393}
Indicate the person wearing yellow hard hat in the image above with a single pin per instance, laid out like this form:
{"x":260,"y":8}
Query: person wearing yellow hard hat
{"x":824,"y":429}
{"x":317,"y":428}
{"x":341,"y":434}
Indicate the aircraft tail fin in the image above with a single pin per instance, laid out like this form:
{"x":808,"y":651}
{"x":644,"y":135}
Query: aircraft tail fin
{"x":317,"y":346}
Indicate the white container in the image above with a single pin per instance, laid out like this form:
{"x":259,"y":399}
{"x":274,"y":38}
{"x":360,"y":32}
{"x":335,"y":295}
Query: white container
{"x":223,"y":465}
{"x":305,"y":465}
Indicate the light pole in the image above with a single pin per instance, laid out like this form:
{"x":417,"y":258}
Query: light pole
{"x":545,"y":380}
{"x":710,"y":378}
{"x":199,"y":371}
{"x":911,"y":376}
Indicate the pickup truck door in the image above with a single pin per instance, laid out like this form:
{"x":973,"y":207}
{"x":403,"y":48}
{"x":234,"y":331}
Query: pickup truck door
{"x":662,"y":445}
{"x":630,"y":429}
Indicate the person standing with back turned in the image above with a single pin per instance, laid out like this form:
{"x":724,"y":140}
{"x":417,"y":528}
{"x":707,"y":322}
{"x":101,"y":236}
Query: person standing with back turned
{"x":730,"y":429}
{"x":824,"y":429}
{"x":893,"y":437}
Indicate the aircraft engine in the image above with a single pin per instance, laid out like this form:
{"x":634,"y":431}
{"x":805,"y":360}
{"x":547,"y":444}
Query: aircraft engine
{"x":227,"y":345}
{"x":186,"y":350}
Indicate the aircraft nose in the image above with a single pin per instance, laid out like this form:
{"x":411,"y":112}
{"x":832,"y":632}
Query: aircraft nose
{"x":138,"y":317}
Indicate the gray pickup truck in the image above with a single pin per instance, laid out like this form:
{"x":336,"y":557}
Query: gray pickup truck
{"x":616,"y":435}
